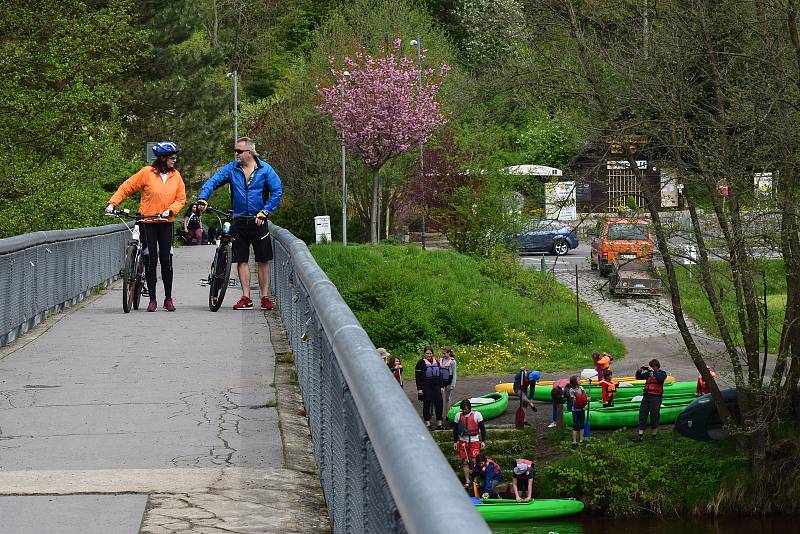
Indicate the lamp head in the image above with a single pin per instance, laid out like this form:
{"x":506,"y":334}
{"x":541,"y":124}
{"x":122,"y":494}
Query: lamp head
{"x":346,"y":73}
{"x":414,"y":42}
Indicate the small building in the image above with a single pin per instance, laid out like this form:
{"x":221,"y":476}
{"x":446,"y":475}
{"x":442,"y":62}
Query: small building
{"x":605,"y":181}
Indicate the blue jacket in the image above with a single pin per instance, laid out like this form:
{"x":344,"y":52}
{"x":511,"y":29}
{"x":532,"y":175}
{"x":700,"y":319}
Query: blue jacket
{"x":262,"y":193}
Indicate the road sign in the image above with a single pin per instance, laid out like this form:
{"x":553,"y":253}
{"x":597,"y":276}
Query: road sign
{"x":722,"y":187}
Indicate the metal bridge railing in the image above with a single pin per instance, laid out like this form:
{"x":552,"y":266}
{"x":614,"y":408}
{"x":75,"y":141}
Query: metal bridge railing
{"x":381,"y":470}
{"x":42,"y":272}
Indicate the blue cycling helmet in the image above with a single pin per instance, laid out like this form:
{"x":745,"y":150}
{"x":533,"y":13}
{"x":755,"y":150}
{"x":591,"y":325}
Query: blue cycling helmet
{"x":533,"y":376}
{"x":165,"y":148}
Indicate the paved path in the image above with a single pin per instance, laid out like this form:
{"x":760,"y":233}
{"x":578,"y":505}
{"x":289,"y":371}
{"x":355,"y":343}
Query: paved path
{"x":155,"y":422}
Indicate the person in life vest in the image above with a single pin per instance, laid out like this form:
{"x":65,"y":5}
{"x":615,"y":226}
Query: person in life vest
{"x":447,"y":364}
{"x":702,"y":386}
{"x":579,"y":401}
{"x":557,"y":396}
{"x":524,"y":474}
{"x":396,"y":367}
{"x":654,"y":379}
{"x":608,"y":389}
{"x":602,"y":361}
{"x":469,"y":437}
{"x":488,"y":472}
{"x":429,"y":386}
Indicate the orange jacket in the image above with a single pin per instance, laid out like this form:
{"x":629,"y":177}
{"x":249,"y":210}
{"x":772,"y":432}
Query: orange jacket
{"x":157,"y":196}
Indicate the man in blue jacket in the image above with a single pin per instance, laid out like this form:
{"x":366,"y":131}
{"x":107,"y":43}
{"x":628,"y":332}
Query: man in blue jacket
{"x":256,"y":192}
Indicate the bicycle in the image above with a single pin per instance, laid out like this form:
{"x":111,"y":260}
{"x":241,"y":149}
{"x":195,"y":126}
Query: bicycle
{"x":133,"y":270}
{"x":219,"y":277}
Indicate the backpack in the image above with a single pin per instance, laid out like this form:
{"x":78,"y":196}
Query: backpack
{"x":581,"y":400}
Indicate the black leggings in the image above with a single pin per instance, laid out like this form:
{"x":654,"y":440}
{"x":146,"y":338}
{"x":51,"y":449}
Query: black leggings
{"x":432,"y":401}
{"x":158,"y":239}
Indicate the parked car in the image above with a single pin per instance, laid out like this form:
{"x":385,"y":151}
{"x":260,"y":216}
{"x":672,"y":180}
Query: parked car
{"x":627,"y":238}
{"x":543,"y":235}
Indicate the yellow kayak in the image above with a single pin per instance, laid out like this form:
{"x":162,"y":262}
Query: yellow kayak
{"x":508,"y":387}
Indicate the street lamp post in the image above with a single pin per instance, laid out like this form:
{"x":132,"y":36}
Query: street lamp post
{"x":346,"y":74}
{"x":235,"y":76}
{"x":416,"y":42}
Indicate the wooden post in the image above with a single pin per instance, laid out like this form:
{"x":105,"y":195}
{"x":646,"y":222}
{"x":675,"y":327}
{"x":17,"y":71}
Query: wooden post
{"x":577,"y":299}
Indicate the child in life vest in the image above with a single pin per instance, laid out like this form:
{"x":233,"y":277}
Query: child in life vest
{"x":602,"y":361}
{"x":608,"y":389}
{"x":469,"y":437}
{"x":579,"y":400}
{"x":488,"y":471}
{"x":702,"y":386}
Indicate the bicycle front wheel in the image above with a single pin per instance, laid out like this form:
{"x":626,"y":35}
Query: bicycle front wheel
{"x":220,"y":274}
{"x":138,"y":284}
{"x":129,"y":278}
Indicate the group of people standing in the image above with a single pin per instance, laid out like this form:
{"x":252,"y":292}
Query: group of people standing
{"x":256,"y":192}
{"x":435,"y":381}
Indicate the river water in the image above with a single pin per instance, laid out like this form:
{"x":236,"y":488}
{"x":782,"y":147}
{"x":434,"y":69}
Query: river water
{"x":738,"y":525}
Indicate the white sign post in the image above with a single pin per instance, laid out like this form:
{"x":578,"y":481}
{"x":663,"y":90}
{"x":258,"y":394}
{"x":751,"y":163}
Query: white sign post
{"x":322,"y":227}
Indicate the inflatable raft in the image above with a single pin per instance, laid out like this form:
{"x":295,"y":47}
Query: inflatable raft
{"x":489,"y":406}
{"x":627,"y":414}
{"x":511,"y":510}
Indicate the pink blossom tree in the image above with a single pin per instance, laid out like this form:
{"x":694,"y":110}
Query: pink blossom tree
{"x":381,"y":111}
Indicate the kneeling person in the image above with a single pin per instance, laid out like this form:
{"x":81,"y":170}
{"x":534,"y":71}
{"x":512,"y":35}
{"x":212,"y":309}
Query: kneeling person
{"x":469,"y":437}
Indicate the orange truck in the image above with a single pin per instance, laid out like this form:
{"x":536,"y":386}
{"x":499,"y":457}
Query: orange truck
{"x":616,"y":237}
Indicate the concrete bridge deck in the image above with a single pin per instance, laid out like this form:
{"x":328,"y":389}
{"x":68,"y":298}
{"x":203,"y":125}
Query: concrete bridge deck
{"x":155,"y":422}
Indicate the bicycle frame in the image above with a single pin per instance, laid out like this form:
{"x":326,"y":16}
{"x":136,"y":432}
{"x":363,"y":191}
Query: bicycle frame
{"x":219,"y":274}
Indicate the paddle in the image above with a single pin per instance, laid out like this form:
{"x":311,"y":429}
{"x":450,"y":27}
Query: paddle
{"x":587,"y":374}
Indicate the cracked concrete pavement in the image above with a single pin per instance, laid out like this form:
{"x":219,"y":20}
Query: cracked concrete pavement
{"x":182,"y":408}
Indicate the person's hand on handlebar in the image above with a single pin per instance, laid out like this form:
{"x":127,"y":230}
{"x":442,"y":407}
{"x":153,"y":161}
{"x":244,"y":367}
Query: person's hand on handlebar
{"x":166,"y":213}
{"x":110,"y":208}
{"x":201,"y":205}
{"x":261,"y":218}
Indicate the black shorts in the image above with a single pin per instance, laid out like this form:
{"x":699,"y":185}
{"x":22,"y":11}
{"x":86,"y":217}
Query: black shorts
{"x":246,"y":233}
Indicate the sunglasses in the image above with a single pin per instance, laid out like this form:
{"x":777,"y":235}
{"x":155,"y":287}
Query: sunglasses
{"x":172,"y":158}
{"x":239,"y":151}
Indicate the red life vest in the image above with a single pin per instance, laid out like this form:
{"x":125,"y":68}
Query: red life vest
{"x":523,"y":380}
{"x":581,"y":400}
{"x":609,"y":389}
{"x":652,"y":387}
{"x":525,"y":462}
{"x":471,"y":427}
{"x":702,"y":387}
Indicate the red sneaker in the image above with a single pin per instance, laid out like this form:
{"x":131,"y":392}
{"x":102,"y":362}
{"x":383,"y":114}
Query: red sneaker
{"x":266,"y":304}
{"x":153,"y":305}
{"x":244,"y":304}
{"x":169,"y":305}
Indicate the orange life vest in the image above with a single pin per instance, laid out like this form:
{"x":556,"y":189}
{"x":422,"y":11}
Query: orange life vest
{"x":604,"y":362}
{"x":702,"y":387}
{"x":609,"y":389}
{"x":652,"y":387}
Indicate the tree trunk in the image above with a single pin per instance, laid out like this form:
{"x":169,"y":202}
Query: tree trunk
{"x":373,"y":212}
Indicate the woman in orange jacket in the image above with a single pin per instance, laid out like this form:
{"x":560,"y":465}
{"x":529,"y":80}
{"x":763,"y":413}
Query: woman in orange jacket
{"x":163,"y":195}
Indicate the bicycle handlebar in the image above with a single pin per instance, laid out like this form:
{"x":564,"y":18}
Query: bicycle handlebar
{"x":136,"y":216}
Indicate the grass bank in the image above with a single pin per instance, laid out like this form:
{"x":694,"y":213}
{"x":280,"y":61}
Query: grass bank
{"x":695,"y":300}
{"x":407,"y":298}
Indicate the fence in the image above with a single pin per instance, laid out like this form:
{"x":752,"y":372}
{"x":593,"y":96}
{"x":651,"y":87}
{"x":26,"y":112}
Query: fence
{"x":381,"y":470}
{"x":43,"y":272}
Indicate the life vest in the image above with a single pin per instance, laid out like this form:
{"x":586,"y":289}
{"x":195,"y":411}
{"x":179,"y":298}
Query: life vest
{"x":581,"y":400}
{"x":609,"y":389}
{"x":652,"y":387}
{"x":432,"y":369}
{"x":523,"y":380}
{"x":471,"y":427}
{"x":604,"y":362}
{"x":702,"y":386}
{"x":444,"y":371}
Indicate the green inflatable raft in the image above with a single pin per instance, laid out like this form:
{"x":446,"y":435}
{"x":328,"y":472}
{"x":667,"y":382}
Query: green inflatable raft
{"x":671,"y":389}
{"x":489,"y":406}
{"x":627,"y":414}
{"x":511,"y":510}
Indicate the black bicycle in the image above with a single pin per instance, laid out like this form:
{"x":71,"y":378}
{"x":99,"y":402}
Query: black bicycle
{"x":133,"y":270}
{"x":219,"y":277}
